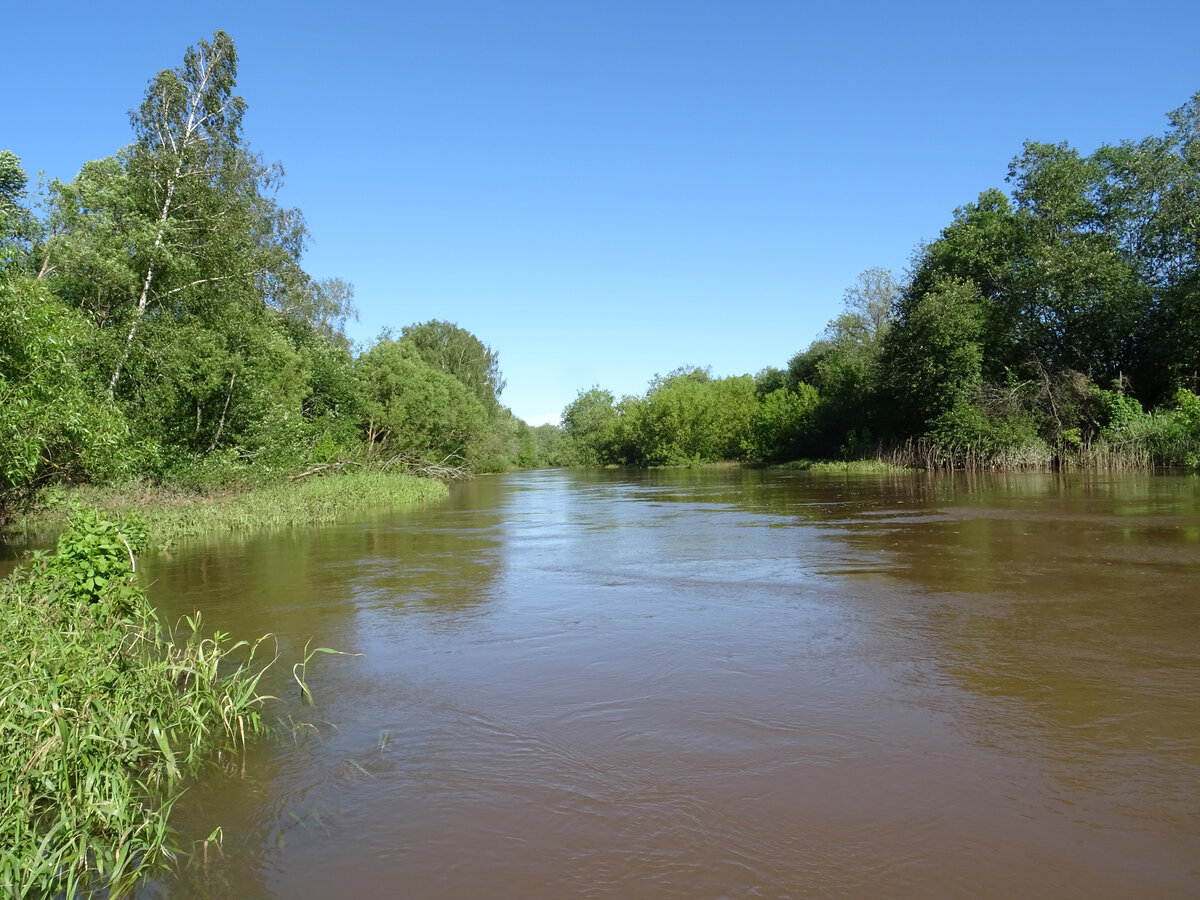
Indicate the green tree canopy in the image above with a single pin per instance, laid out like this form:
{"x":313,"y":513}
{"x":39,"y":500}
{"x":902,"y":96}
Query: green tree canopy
{"x":415,"y":409}
{"x":52,"y":426}
{"x":455,"y":351}
{"x":932,"y":354}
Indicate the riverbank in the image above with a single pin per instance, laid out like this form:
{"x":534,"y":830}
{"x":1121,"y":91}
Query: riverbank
{"x":171,"y":514}
{"x":839,"y":467}
{"x":105,"y":710}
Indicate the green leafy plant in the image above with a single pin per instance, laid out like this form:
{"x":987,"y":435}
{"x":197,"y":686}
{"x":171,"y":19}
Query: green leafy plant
{"x":103,"y":711}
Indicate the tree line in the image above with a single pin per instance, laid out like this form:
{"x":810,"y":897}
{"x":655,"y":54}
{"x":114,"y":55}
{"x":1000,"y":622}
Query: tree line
{"x":158,"y":323}
{"x":1057,"y":323}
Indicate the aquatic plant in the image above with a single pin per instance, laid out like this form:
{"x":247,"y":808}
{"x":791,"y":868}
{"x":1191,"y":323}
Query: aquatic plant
{"x":104,"y":711}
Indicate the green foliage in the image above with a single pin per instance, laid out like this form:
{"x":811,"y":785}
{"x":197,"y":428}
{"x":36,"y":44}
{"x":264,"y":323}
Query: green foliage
{"x":932,"y":355}
{"x":416,"y":410}
{"x":769,"y":380}
{"x":17,"y":224}
{"x":686,"y":418}
{"x":1188,"y":414}
{"x":1119,"y":410}
{"x":843,"y":364}
{"x":218,"y":470}
{"x":964,"y":435}
{"x":690,"y":418}
{"x":590,"y":427}
{"x":103,"y":711}
{"x":12,"y":178}
{"x":293,"y":504}
{"x":453,"y":350}
{"x":51,"y":425}
{"x":550,"y":447}
{"x":784,"y":424}
{"x":506,"y":444}
{"x":171,"y":513}
{"x":1188,"y":405}
{"x":95,"y":556}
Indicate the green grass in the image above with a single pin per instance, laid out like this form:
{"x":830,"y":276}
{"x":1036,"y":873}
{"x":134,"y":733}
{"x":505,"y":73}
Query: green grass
{"x":104,"y":711}
{"x":172,"y":514}
{"x":837,"y":467}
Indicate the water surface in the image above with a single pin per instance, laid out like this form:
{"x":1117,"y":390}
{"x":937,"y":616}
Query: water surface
{"x":720,"y":684}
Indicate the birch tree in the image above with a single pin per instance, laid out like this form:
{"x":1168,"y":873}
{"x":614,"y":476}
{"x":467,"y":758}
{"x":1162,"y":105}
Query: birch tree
{"x":187,"y":132}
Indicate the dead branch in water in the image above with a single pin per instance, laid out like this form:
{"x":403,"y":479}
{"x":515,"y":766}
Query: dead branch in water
{"x":446,"y":470}
{"x":449,"y":469}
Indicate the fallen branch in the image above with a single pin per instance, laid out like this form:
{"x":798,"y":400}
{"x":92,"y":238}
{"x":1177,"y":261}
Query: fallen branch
{"x":325,"y":467}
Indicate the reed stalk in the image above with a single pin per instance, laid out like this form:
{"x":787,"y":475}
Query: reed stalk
{"x":105,"y":711}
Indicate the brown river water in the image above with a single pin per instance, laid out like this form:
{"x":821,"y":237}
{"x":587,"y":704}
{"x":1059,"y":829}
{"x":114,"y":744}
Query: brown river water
{"x":718,"y":684}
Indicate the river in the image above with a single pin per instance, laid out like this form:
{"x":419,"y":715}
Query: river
{"x":718,"y":684}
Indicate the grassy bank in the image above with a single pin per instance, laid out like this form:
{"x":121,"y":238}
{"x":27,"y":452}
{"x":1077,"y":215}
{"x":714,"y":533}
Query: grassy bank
{"x":104,"y":711}
{"x":172,"y":514}
{"x":838,"y":467}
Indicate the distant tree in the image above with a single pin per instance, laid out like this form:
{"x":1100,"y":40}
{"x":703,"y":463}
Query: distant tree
{"x":869,"y":305}
{"x":784,"y":424}
{"x":457,"y":352}
{"x":843,"y":364}
{"x":690,"y":417}
{"x":415,"y":409}
{"x":590,"y":429}
{"x":549,"y":445}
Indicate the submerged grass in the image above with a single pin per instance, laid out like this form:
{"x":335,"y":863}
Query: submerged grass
{"x":172,"y":514}
{"x":104,"y":710}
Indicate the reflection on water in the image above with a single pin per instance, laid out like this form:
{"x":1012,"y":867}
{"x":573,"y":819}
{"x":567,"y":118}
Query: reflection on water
{"x":721,"y":684}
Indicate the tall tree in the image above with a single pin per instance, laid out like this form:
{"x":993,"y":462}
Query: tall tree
{"x":417,"y":410}
{"x":189,"y":270}
{"x":932,"y":355}
{"x":457,"y":352}
{"x":17,"y":224}
{"x":187,"y":132}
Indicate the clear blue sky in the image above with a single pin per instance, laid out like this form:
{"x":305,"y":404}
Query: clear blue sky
{"x":606,"y":189}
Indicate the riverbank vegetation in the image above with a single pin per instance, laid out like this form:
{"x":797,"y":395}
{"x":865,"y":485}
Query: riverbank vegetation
{"x":159,"y":325}
{"x":1055,"y":324}
{"x":160,"y":328}
{"x":170,"y":514}
{"x":105,"y":711}
{"x":164,"y":350}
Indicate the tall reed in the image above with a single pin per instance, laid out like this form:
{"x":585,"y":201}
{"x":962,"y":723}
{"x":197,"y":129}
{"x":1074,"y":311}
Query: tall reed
{"x":104,"y":710}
